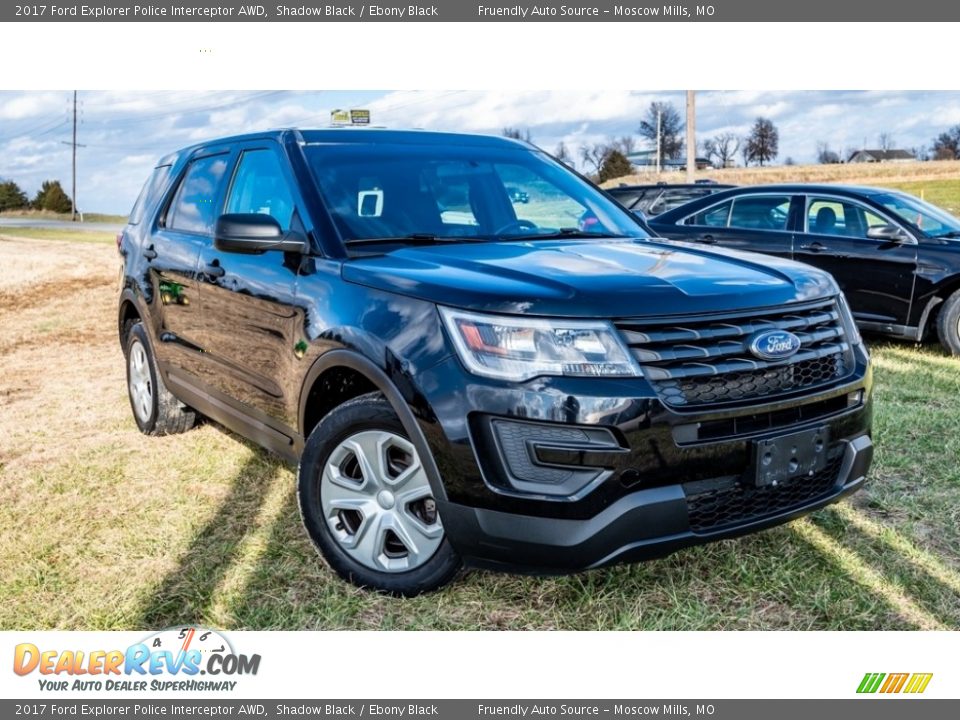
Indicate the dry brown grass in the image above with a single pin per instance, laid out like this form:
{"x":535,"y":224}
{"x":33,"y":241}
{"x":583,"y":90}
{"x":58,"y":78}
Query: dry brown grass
{"x":857,"y":174}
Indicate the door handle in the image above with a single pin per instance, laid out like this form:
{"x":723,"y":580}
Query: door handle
{"x":150,"y":253}
{"x":708,"y":239}
{"x":814,"y":247}
{"x":214,"y":269}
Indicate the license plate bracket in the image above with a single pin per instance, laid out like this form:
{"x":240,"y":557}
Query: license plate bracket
{"x":789,"y":456}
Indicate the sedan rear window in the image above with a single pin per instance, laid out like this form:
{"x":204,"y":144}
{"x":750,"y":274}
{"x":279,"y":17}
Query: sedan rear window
{"x":767,"y":212}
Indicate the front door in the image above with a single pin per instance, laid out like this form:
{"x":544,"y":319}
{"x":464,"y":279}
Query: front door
{"x":876,"y":275}
{"x":251,"y":325}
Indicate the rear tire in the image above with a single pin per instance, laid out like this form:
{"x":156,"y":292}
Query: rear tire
{"x":155,"y":409}
{"x":367,"y":503}
{"x":948,"y":324}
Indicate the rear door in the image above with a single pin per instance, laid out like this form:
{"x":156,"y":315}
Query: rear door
{"x":757,"y":222}
{"x":250,"y":323}
{"x":876,"y":276}
{"x":171,"y":251}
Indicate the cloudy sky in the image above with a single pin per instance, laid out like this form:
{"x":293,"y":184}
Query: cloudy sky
{"x":124,"y":132}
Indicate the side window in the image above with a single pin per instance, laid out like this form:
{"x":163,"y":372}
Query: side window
{"x":765,"y":212}
{"x":826,"y":216}
{"x":193,"y":208}
{"x":153,"y":186}
{"x":260,"y":187}
{"x":715,"y":216}
{"x":830,"y":217}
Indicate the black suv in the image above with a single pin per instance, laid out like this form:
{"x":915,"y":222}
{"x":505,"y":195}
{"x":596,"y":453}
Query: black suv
{"x":468,"y":380}
{"x":896,"y":257}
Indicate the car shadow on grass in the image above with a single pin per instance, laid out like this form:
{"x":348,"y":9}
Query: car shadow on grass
{"x":186,"y":593}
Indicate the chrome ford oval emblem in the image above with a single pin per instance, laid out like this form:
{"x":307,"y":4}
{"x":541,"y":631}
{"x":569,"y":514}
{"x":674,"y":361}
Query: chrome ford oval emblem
{"x":774,"y":344}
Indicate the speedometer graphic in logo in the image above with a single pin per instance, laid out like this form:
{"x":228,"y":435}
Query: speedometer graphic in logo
{"x":184,"y":639}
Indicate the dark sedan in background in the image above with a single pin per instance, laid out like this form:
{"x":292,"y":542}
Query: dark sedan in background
{"x":896,"y":257}
{"x":651,"y":200}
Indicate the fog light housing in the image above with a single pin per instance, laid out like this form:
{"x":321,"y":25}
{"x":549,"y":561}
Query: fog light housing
{"x":546,"y":460}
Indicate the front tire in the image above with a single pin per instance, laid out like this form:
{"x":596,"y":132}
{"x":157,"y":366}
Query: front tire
{"x":367,"y":503}
{"x":155,"y":409}
{"x":948,"y":324}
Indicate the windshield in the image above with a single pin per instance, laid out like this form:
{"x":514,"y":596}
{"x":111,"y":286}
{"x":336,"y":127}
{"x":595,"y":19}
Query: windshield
{"x":460,"y":192}
{"x":931,"y":220}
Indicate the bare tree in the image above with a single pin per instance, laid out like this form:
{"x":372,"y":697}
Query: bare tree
{"x":886,"y":141}
{"x":671,"y":129}
{"x":826,"y":156}
{"x":517,"y":134}
{"x":745,"y":152}
{"x":721,"y":149}
{"x":946,"y":146}
{"x":594,"y":155}
{"x":625,"y":144}
{"x":562,"y":154}
{"x":763,"y":143}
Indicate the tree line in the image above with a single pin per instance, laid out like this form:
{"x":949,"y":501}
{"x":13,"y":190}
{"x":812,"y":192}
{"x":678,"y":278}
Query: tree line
{"x":51,"y":197}
{"x":663,"y":126}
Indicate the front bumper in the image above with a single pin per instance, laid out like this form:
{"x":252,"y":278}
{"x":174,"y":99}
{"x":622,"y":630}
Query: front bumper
{"x":643,"y":525}
{"x":677,"y":479}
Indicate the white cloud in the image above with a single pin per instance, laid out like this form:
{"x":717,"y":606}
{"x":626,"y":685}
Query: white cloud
{"x":125,"y":132}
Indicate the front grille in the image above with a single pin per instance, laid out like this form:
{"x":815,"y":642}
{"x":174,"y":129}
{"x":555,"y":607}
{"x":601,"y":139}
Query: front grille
{"x":718,"y":506}
{"x":706,"y":361}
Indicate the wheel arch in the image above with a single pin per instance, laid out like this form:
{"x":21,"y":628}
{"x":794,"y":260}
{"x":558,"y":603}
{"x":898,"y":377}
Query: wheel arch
{"x":343,"y":360}
{"x":128,"y":309}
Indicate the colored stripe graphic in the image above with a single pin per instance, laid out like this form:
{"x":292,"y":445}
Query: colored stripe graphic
{"x":870,"y":682}
{"x":918,"y":683}
{"x":894,"y":683}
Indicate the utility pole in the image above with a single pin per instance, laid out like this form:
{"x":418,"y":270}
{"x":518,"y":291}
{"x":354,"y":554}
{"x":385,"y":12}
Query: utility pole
{"x":659,"y":142}
{"x":691,"y":135}
{"x":74,"y":145}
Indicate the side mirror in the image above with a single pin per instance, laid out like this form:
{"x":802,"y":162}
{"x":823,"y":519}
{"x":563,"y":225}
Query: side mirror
{"x":888,"y":233}
{"x":255,"y":233}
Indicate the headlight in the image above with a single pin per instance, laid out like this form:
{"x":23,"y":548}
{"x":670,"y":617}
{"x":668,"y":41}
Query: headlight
{"x":517,"y":348}
{"x":848,"y":322}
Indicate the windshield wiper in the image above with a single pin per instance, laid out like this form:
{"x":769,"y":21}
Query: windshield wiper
{"x":412,"y":239}
{"x":950,"y":234}
{"x":563,"y":233}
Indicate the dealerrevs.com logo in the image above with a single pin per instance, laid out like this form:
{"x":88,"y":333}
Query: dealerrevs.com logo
{"x":178,"y":659}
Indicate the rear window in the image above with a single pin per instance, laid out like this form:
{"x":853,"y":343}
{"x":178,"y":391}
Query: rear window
{"x":764,"y":212}
{"x":675,"y":198}
{"x":148,"y":195}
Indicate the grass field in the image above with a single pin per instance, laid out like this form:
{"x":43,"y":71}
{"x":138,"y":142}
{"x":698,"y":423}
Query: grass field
{"x":101,"y":527}
{"x":937,"y":182}
{"x":46,"y":215}
{"x":68,"y":234}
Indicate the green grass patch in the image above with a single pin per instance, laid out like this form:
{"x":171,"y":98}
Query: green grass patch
{"x":65,"y":235}
{"x":944,"y":193}
{"x":45,"y":215}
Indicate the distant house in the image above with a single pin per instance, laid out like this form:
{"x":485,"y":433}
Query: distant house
{"x":880,"y":156}
{"x":647,"y":159}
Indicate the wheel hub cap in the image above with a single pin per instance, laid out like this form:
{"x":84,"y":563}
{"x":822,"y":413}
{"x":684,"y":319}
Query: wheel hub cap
{"x":140,"y":385}
{"x":377,"y":501}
